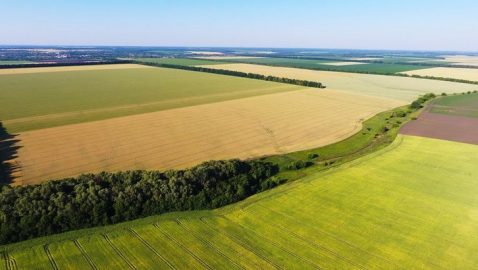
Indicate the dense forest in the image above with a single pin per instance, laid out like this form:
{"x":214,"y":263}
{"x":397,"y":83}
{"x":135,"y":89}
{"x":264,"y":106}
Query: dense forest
{"x":107,"y":198}
{"x":238,"y":74}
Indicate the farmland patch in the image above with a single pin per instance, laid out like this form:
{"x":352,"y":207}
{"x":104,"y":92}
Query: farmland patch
{"x":445,"y":127}
{"x":34,"y":101}
{"x":398,"y":88}
{"x":13,"y":71}
{"x":469,"y":74}
{"x":453,"y":118}
{"x":402,"y":207}
{"x":243,"y":128}
{"x":341,"y":64}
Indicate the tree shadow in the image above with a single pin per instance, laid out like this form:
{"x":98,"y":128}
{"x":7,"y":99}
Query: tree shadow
{"x":8,"y":152}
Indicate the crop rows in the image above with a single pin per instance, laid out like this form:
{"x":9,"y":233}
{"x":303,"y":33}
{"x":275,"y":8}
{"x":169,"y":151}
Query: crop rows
{"x":244,"y":128}
{"x":378,"y":213}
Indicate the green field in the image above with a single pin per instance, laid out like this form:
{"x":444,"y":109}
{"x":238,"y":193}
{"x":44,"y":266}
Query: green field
{"x":411,"y":205}
{"x":4,"y":62}
{"x":320,"y":65}
{"x":179,"y":61}
{"x":40,"y":100}
{"x":461,"y":104}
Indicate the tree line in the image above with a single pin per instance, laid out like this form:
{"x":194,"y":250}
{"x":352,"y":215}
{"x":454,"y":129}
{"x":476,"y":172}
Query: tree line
{"x":238,"y":74}
{"x":65,"y":64}
{"x":106,"y":198}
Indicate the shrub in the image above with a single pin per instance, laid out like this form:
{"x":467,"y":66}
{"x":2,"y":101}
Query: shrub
{"x":416,"y":105}
{"x":313,"y":156}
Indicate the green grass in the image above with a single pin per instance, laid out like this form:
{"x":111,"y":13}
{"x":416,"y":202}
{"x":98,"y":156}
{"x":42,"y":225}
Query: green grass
{"x":461,"y":105}
{"x":410,"y":205}
{"x":79,"y":96}
{"x":320,"y":64}
{"x":180,"y":61}
{"x":4,"y":62}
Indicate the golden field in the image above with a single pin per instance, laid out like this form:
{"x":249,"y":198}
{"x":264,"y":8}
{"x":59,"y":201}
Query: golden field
{"x":398,"y":88}
{"x":177,"y":138}
{"x":11,"y":71}
{"x":469,"y":74}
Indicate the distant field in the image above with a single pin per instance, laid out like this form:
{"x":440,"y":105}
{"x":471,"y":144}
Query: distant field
{"x":462,"y":60}
{"x":13,"y":71}
{"x":461,"y":105}
{"x":3,"y":62}
{"x":326,"y":64}
{"x":393,"y":87}
{"x":453,"y":118}
{"x":181,"y":61}
{"x":410,"y":206}
{"x":470,"y":74}
{"x":179,"y":138}
{"x":43,"y":98}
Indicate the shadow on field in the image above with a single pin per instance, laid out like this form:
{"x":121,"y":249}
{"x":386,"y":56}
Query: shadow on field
{"x":8,"y":151}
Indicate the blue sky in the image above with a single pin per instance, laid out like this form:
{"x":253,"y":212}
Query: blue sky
{"x":364,"y":24}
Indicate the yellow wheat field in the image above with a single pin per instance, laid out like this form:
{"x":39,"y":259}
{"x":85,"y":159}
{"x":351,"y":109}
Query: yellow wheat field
{"x":398,"y":88}
{"x":470,"y":74}
{"x":183,"y":137}
{"x":9,"y":71}
{"x":462,"y":60}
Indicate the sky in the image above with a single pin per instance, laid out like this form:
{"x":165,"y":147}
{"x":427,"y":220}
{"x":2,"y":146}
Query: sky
{"x":346,"y":24}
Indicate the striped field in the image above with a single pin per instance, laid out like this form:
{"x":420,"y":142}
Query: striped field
{"x":393,"y":87}
{"x":412,"y":205}
{"x":183,"y":137}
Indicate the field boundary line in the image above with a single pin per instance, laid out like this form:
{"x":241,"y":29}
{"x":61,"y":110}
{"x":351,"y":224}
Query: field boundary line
{"x":277,"y":245}
{"x":5,"y":260}
{"x":238,"y":241}
{"x":85,"y":255}
{"x":116,"y":249}
{"x":329,"y":234}
{"x":209,"y":244}
{"x":50,"y":257}
{"x":10,"y":263}
{"x":144,"y":242}
{"x":149,"y":104}
{"x":312,"y":243}
{"x":177,"y":242}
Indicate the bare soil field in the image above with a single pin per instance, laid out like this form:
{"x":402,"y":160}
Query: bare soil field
{"x":9,"y":71}
{"x":399,"y":88}
{"x":470,"y":74}
{"x":445,"y":127}
{"x":177,"y":138}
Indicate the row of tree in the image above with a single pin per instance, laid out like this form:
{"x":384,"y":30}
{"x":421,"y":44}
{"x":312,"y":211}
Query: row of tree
{"x":107,"y":198}
{"x":66,"y":64}
{"x":239,"y":74}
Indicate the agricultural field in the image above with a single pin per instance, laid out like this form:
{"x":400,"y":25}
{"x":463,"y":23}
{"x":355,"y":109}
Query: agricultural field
{"x":461,"y":105}
{"x":453,"y":118}
{"x":5,"y":62}
{"x":464,"y":60}
{"x":329,"y":65}
{"x":183,"y":137}
{"x":182,"y":61}
{"x":391,"y":87}
{"x":469,"y":74}
{"x":410,"y":205}
{"x":47,"y":97}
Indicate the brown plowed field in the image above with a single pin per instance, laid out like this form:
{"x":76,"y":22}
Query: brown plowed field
{"x":176,"y":138}
{"x":445,"y":127}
